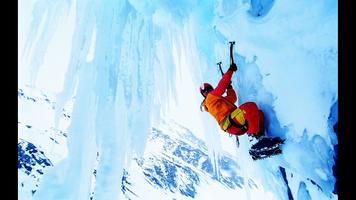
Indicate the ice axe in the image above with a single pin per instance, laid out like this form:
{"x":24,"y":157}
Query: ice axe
{"x":222,"y":73}
{"x":231,"y":52}
{"x":231,"y":57}
{"x":232,"y":43}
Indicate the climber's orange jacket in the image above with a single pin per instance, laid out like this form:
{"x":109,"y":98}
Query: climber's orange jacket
{"x":217,"y":105}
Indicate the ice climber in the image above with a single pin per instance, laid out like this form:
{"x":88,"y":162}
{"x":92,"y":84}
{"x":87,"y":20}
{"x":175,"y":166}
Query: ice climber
{"x":236,"y":120}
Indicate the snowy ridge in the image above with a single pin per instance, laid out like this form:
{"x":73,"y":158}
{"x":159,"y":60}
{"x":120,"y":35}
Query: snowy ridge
{"x":176,"y":163}
{"x":36,"y":122}
{"x":40,"y":144}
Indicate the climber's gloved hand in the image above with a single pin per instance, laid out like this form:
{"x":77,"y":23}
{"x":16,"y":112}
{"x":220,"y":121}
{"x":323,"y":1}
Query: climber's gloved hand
{"x":229,"y":86}
{"x":233,"y":67}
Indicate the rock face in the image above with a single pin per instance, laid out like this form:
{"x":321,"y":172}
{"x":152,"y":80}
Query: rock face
{"x":31,"y":165}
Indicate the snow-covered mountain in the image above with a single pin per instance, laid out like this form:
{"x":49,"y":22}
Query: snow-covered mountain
{"x":175,"y":165}
{"x":176,"y":162}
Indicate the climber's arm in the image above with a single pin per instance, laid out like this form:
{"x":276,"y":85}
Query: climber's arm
{"x":223,"y":83}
